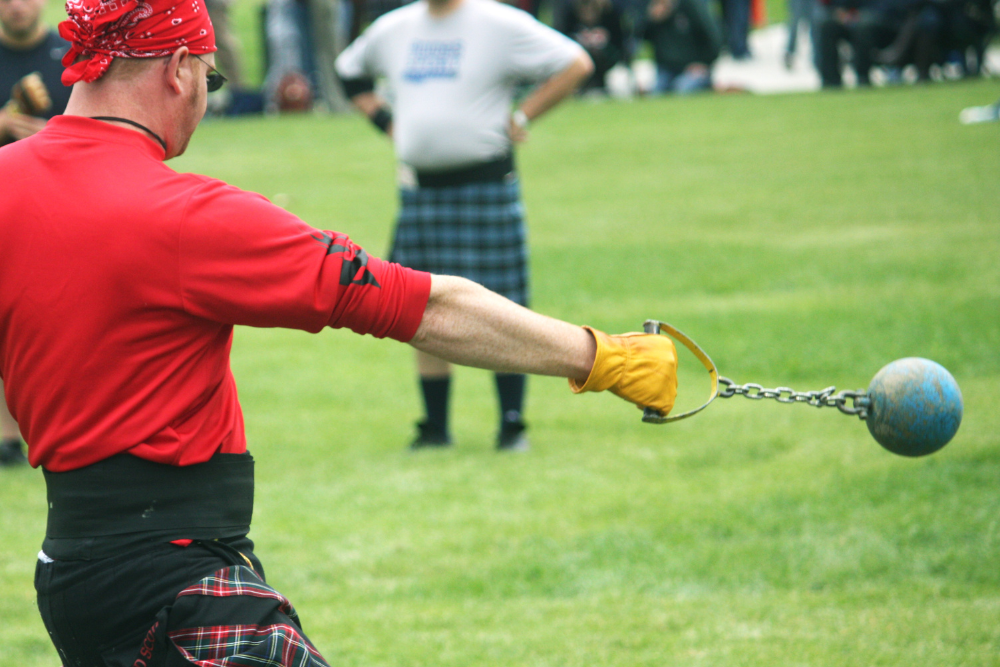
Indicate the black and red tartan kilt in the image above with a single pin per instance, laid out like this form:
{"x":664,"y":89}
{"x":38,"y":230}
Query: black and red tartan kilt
{"x":171,"y":606}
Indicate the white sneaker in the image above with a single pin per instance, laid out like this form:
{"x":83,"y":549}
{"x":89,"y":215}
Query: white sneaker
{"x":986,"y":114}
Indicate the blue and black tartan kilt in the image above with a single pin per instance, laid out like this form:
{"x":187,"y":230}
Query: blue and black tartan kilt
{"x":473,"y":230}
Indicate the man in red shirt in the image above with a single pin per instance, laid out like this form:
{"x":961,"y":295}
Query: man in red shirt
{"x":119,"y":289}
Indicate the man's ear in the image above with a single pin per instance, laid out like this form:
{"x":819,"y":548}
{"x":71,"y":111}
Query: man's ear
{"x":178,"y":68}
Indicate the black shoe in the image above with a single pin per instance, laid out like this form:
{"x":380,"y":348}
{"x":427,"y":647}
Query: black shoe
{"x":512,"y":438}
{"x":430,"y":436}
{"x":12,"y":453}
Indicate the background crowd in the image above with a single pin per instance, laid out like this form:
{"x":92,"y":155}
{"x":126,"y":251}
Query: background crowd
{"x":907,"y":40}
{"x":903,"y":40}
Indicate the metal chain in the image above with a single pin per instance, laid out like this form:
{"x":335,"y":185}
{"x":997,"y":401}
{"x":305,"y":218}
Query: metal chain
{"x":818,"y":399}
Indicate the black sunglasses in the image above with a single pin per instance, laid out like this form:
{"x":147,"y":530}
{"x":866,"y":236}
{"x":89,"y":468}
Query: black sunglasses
{"x":214,"y":77}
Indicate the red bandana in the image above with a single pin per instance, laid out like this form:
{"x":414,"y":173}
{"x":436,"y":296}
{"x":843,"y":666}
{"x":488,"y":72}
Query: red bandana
{"x":102,"y":30}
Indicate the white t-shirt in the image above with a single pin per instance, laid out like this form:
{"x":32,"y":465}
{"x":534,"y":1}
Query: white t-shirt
{"x":453,"y":78}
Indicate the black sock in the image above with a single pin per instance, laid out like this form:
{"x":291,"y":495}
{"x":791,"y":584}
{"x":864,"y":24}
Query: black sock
{"x":435,"y":390}
{"x":510,"y":388}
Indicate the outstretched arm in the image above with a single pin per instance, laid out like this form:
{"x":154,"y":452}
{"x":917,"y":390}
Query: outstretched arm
{"x":468,"y":324}
{"x":375,"y":108}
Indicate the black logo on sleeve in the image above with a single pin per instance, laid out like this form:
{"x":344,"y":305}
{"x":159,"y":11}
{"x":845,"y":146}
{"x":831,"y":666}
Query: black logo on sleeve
{"x":354,"y":269}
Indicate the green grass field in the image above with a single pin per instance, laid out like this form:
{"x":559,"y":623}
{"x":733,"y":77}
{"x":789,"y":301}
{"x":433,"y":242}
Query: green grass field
{"x":803,"y":240}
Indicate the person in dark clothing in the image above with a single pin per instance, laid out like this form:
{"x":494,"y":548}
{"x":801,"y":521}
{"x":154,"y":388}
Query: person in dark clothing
{"x":736,"y":22}
{"x":919,"y":38}
{"x":864,"y":24}
{"x":888,"y":32}
{"x":935,"y":31}
{"x":28,"y":46}
{"x":970,"y":25}
{"x":596,"y":25}
{"x":686,"y":41}
{"x":799,"y":12}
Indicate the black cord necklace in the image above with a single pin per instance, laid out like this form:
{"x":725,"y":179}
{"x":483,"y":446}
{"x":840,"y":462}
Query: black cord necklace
{"x":138,"y":125}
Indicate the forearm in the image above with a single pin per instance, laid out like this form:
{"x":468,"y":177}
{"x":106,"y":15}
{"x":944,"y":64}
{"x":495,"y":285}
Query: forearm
{"x":4,"y":126}
{"x":361,"y":91}
{"x":376,"y":109}
{"x":368,"y":103}
{"x":557,"y":87}
{"x":467,"y":324}
{"x":16,"y":126}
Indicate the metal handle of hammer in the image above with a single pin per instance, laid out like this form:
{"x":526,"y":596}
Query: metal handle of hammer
{"x":651,"y":416}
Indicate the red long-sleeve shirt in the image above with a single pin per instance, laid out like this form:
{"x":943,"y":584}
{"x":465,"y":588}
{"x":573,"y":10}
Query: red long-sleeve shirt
{"x":120,"y":283}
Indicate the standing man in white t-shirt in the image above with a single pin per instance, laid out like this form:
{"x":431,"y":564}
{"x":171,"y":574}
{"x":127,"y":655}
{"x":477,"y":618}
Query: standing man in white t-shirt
{"x":453,"y":67}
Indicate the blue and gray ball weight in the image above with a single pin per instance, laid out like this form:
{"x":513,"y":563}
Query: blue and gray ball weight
{"x":916,"y":407}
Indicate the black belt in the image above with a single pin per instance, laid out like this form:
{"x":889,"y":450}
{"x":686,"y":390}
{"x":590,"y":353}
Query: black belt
{"x":484,"y":172}
{"x":122,"y":498}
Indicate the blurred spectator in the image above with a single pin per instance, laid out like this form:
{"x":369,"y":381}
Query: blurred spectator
{"x":454,"y":68}
{"x":633,"y":13}
{"x":736,"y":24}
{"x":686,"y":41}
{"x":919,"y":38}
{"x":236,"y":98}
{"x":304,"y":38}
{"x":971,"y":26}
{"x":286,"y":86}
{"x":864,"y":25}
{"x":596,"y":25}
{"x":28,"y":46}
{"x":229,"y":57}
{"x":799,"y":12}
{"x":937,"y":32}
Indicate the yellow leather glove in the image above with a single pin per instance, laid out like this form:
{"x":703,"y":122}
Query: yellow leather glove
{"x":641,"y":368}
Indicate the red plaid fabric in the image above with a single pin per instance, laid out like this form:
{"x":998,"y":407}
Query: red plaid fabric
{"x":237,"y":580}
{"x":232,"y":618}
{"x":279,"y":645}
